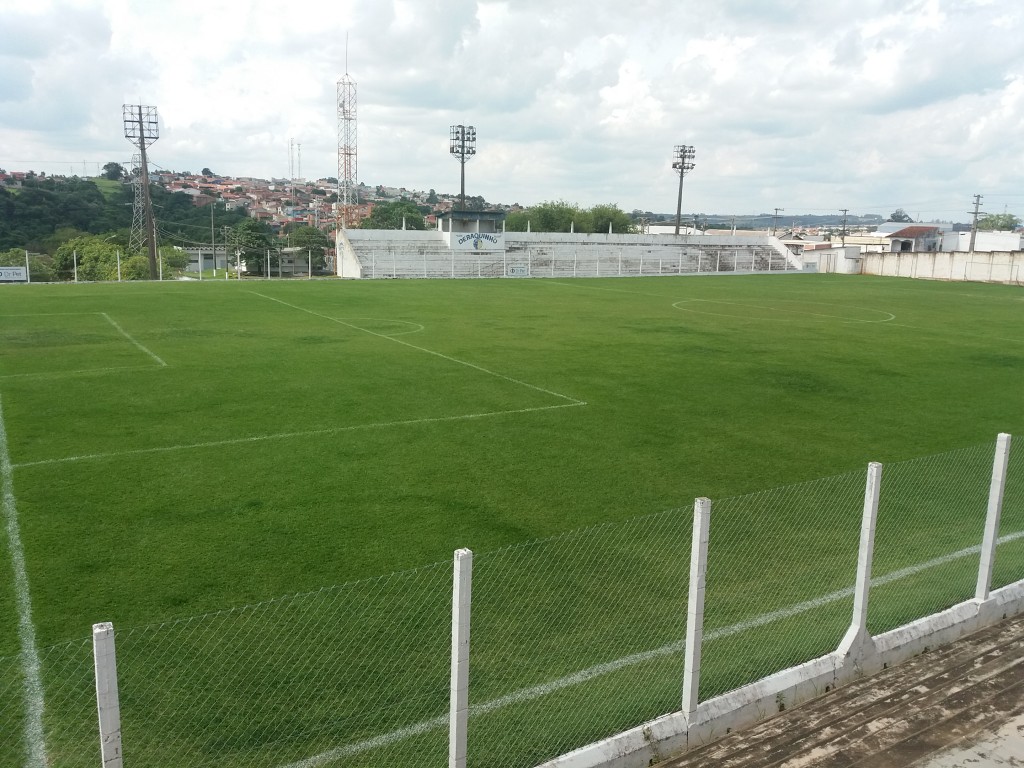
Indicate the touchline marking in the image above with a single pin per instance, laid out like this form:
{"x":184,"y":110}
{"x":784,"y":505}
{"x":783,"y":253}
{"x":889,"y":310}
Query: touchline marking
{"x":286,"y":435}
{"x":572,"y":400}
{"x":33,"y":684}
{"x":133,"y":341}
{"x":585,"y":675}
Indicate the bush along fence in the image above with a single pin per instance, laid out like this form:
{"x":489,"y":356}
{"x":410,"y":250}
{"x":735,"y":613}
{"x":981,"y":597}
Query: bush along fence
{"x":587,"y":648}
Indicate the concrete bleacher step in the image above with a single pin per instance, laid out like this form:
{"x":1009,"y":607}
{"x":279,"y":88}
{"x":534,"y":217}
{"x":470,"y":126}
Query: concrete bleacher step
{"x":902,"y":706}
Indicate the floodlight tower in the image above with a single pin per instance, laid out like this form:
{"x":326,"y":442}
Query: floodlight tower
{"x":348,"y":155}
{"x":137,"y":235}
{"x":463,"y":147}
{"x":141,"y":128}
{"x":682,"y":161}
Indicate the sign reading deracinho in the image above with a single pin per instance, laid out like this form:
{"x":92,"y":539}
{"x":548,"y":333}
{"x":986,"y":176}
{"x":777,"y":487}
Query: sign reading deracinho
{"x":478,"y":236}
{"x":13,"y":274}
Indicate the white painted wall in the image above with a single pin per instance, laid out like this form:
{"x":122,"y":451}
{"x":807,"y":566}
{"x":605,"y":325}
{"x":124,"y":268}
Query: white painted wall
{"x":979,"y":266}
{"x":838,"y":260}
{"x":985,"y":241}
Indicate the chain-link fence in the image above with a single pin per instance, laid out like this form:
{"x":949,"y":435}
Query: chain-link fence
{"x":780,"y":568}
{"x":57,"y":723}
{"x":574,"y":638}
{"x":1009,"y":564}
{"x":931,"y":519}
{"x":13,"y":750}
{"x":347,"y":676}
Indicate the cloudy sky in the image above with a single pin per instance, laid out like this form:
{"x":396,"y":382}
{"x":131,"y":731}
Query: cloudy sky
{"x":806,"y":105}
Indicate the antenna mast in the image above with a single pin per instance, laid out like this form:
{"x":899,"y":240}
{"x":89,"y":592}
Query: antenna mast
{"x":348,"y":156}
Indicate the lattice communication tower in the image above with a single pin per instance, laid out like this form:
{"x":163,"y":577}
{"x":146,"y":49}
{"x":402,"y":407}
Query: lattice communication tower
{"x":142,"y":128}
{"x":348,"y":157}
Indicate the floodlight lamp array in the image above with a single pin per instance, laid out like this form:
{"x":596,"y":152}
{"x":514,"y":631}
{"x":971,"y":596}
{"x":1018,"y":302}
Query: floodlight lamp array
{"x":141,"y":124}
{"x":463,"y":142}
{"x":683,"y":154}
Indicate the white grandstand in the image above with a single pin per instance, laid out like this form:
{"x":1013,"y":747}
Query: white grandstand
{"x":455,"y":251}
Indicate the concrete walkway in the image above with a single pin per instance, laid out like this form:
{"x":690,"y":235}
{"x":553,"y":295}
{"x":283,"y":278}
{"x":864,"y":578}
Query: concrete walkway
{"x":958,"y":706}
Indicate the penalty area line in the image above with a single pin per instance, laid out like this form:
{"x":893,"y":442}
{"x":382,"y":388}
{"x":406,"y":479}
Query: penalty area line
{"x":598,"y":670}
{"x":572,"y":400}
{"x":128,"y":336}
{"x":287,"y":435}
{"x":33,"y":685}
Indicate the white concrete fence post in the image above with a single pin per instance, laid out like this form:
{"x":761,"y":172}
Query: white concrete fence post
{"x":695,"y":604}
{"x":869,"y":521}
{"x":107,"y":703}
{"x":995,"y":510}
{"x":462,"y":587}
{"x":857,"y":645}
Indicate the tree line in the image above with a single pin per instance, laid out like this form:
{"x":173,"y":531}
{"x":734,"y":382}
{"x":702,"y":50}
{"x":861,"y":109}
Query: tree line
{"x":62,"y":222}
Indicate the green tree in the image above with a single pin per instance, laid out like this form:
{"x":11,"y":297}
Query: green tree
{"x":901,"y":216}
{"x":390,"y":216}
{"x":603,"y":215}
{"x":251,"y":240}
{"x":44,"y":206}
{"x":174,"y":258}
{"x":95,"y":256}
{"x":114,"y":171}
{"x":207,"y":172}
{"x":999,"y":222}
{"x":517,"y":221}
{"x":312,"y":240}
{"x":431,"y":197}
{"x":552,"y":216}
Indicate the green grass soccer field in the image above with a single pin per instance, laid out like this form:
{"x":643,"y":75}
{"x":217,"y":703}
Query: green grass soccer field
{"x":180,"y":448}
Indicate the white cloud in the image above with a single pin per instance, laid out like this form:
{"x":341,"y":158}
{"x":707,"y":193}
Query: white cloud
{"x":792,"y":103}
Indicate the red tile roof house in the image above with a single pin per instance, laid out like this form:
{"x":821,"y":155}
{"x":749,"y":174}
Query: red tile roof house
{"x":915,"y":238}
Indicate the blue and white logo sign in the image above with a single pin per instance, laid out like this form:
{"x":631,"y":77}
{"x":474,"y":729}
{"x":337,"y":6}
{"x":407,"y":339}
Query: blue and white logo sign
{"x":480,"y":241}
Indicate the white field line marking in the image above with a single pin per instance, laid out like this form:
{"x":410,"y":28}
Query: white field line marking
{"x":417,"y":328}
{"x":474,"y":366}
{"x":585,"y":675}
{"x":286,"y":435}
{"x":33,"y":684}
{"x":80,"y":372}
{"x":128,"y":336}
{"x":50,"y":314}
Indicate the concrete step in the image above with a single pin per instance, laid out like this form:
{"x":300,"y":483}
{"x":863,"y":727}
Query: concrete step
{"x":966,"y":670}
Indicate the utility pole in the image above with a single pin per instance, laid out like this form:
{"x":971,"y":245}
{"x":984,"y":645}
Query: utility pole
{"x":775,"y":220}
{"x":213,"y":243}
{"x":974,"y":221}
{"x":683,"y":155}
{"x":842,"y":233}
